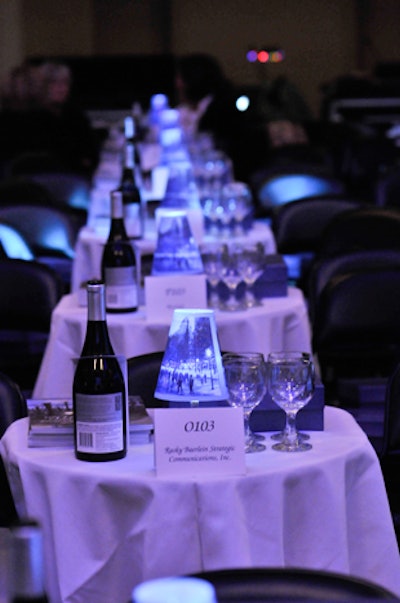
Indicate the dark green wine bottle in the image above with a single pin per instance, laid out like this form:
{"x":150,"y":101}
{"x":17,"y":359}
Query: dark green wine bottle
{"x":99,"y":392}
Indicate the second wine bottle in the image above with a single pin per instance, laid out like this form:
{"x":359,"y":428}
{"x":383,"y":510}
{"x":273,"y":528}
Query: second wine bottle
{"x":119,"y":263}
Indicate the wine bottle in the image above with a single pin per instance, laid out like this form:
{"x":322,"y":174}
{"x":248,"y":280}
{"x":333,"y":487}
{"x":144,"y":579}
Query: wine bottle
{"x":26,"y":563}
{"x":129,"y":187}
{"x":99,"y":394}
{"x":118,"y":263}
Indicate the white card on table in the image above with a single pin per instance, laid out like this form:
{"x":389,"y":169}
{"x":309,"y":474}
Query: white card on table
{"x":164,"y":294}
{"x":199,"y":441}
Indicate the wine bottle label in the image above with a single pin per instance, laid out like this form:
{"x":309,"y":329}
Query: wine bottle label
{"x":133,"y":220}
{"x":99,"y":423}
{"x":121,"y":287}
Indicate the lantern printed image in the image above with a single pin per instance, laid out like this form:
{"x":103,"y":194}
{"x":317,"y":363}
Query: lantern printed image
{"x":177,"y":250}
{"x":191,"y":369}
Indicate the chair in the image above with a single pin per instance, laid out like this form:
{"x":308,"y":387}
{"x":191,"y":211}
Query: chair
{"x":325,"y":268}
{"x":49,"y":232}
{"x":15,"y":191}
{"x":12,"y":407}
{"x":13,"y":244}
{"x":142,"y":378}
{"x":367,"y":227}
{"x":356,"y":327}
{"x":67,"y":188}
{"x":285,"y":188}
{"x":31,"y":162}
{"x":298,"y":228}
{"x":30,"y":291}
{"x":387,"y":189}
{"x":259,"y":585}
{"x":390,"y":453}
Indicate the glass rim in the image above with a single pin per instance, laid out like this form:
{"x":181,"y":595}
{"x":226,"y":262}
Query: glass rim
{"x":289,"y":355}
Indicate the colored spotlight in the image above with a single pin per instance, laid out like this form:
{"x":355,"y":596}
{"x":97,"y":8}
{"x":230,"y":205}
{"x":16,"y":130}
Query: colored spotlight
{"x":252,"y":56}
{"x":263,"y":56}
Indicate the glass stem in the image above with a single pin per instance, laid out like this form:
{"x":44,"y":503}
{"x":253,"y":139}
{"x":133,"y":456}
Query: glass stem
{"x":247,"y":431}
{"x":290,"y":432}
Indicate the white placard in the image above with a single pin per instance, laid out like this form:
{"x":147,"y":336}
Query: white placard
{"x":164,"y":294}
{"x":199,"y":441}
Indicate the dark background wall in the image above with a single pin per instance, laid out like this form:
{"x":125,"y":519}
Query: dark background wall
{"x":322,"y":39}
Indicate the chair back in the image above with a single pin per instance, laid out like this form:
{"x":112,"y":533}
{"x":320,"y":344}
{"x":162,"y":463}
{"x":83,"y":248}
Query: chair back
{"x":143,"y":374}
{"x":47,"y":230}
{"x":13,"y":244}
{"x":367,"y":227}
{"x":17,"y":191}
{"x":13,"y":404}
{"x":66,"y":188}
{"x":12,"y":407}
{"x":298,"y":226}
{"x":324,"y":269}
{"x":271,"y":585}
{"x":356,"y":328}
{"x":29,"y":294}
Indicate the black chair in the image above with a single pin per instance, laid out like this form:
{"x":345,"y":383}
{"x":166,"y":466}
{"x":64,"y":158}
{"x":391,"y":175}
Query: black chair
{"x":262,"y":585}
{"x":356,"y":328}
{"x":16,"y":191}
{"x":367,"y":227}
{"x":298,"y":228}
{"x":68,"y":189}
{"x":390,"y":453}
{"x":13,"y":244}
{"x":12,"y":407}
{"x":323,"y":269}
{"x":29,"y":293}
{"x":142,"y":378}
{"x":31,"y":162}
{"x":50,"y":233}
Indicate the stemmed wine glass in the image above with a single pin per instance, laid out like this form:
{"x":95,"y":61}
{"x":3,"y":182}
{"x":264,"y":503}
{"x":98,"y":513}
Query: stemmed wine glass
{"x":211,"y":256}
{"x":291,"y":385}
{"x":237,"y":202}
{"x":245,"y":379}
{"x":231,"y":277}
{"x":251,"y":259}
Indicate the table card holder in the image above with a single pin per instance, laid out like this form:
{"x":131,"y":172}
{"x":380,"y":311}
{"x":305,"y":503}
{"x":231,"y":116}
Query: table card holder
{"x":164,"y":294}
{"x":199,"y":441}
{"x":191,"y":369}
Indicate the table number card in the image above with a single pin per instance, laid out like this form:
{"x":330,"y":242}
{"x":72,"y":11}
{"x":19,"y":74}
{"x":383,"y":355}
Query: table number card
{"x":199,"y":441}
{"x":164,"y":294}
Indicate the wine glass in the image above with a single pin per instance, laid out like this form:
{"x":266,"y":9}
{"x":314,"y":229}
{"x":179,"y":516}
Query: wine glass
{"x":211,"y":256}
{"x":291,"y":385}
{"x":237,"y":202}
{"x":251,"y":259}
{"x":231,"y":277}
{"x":245,"y":380}
{"x":259,"y":358}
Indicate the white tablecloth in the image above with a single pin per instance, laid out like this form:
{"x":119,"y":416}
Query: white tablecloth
{"x":90,"y":244}
{"x":109,"y":526}
{"x":281,"y":323}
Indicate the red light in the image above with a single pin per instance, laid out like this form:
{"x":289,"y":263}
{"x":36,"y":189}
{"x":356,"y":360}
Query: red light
{"x":263,"y":56}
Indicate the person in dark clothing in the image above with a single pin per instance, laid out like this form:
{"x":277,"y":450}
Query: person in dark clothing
{"x":49,"y":122}
{"x":207,"y":100}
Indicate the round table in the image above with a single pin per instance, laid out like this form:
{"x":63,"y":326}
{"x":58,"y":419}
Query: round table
{"x":110,"y":526}
{"x":91,"y":240}
{"x":280,"y":323}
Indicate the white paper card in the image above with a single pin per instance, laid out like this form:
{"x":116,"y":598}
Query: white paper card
{"x":199,"y":441}
{"x":164,"y":294}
